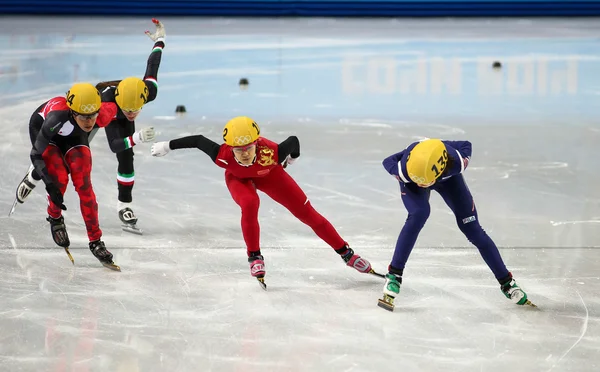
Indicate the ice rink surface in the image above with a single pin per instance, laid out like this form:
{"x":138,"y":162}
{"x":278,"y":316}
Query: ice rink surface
{"x":354,"y":92}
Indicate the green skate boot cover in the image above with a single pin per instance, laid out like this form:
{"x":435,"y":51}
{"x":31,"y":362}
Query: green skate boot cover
{"x":513,"y":292}
{"x":392,"y":285}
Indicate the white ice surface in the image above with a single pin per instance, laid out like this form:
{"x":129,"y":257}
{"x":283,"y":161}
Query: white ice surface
{"x":185,"y":301}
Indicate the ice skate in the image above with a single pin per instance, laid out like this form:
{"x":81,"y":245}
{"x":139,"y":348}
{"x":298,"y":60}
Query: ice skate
{"x":59,"y":231}
{"x":513,"y":292}
{"x":128,"y":219}
{"x":99,"y":251}
{"x":391,"y":289}
{"x":60,"y":235}
{"x":257,"y":269}
{"x":25,"y":187}
{"x":360,"y":264}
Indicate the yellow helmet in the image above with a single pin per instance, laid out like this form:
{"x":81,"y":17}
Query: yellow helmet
{"x":131,"y":94}
{"x":427,"y":161}
{"x":240,"y":131}
{"x":83,"y":98}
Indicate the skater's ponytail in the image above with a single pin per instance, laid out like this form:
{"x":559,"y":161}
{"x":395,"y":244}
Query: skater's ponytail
{"x":105,"y":84}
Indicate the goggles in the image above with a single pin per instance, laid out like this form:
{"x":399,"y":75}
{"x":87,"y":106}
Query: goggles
{"x":86,"y":116}
{"x":131,"y":111}
{"x":242,"y":149}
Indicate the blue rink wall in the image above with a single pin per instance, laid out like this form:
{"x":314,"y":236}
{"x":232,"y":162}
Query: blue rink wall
{"x":305,"y":7}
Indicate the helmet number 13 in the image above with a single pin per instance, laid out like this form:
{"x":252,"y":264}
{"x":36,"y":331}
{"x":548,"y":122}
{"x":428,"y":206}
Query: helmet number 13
{"x":442,"y":161}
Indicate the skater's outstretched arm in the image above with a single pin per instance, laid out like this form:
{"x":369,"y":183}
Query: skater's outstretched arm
{"x":200,"y":142}
{"x":151,"y":75}
{"x":107,"y":88}
{"x":117,"y":143}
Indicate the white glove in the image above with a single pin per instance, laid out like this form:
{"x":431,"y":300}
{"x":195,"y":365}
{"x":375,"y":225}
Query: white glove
{"x":144,"y":135}
{"x":160,"y":148}
{"x":160,"y":33}
{"x":288,"y":161}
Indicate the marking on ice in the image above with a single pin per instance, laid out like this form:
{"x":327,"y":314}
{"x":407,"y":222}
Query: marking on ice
{"x":584,"y":327}
{"x":558,"y":223}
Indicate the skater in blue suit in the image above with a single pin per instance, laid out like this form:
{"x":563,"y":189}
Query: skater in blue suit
{"x":433,"y":164}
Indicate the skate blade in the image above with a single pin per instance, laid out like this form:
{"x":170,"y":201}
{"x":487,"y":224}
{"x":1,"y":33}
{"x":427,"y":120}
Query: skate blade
{"x":386,"y":303}
{"x":111,"y":266}
{"x":12,"y":209}
{"x":373,"y":272}
{"x":69,"y":254}
{"x":262,"y":283}
{"x":132,"y":229}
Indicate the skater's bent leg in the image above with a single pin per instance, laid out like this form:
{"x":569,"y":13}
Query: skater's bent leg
{"x":59,"y":174}
{"x":456,"y":194}
{"x":282,"y":188}
{"x":125,"y":175}
{"x":416,"y":202}
{"x":244,"y":194}
{"x":79,"y":160}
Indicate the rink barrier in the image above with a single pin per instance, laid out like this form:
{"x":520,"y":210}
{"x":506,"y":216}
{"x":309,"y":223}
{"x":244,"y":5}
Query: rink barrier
{"x":423,"y":8}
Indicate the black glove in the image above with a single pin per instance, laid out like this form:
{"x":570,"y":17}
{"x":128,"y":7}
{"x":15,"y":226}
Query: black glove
{"x":55,"y":195}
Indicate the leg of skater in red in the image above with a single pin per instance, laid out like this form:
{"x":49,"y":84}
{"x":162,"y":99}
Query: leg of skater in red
{"x":282,"y":188}
{"x":244,"y":194}
{"x":55,"y":163}
{"x":79,"y":160}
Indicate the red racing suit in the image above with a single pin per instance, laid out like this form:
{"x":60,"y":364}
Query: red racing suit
{"x":267,"y":175}
{"x":60,"y":147}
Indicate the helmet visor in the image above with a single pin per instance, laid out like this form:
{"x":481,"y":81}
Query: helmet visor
{"x":86,"y":116}
{"x":243,"y":149}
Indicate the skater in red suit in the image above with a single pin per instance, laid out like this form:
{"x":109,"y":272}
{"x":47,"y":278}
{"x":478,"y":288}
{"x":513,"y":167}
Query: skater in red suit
{"x":252,"y":163}
{"x":59,"y":134}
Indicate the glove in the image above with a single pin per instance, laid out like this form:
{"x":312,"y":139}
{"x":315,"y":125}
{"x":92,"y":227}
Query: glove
{"x":55,"y":195}
{"x":160,"y":148}
{"x":144,"y":135}
{"x":288,"y":161}
{"x":160,"y":33}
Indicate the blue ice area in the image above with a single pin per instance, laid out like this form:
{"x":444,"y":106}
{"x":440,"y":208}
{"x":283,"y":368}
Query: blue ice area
{"x":321,"y":75}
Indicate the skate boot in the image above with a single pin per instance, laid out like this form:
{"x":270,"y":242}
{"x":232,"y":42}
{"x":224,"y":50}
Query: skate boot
{"x":128,"y":218}
{"x":59,"y":234}
{"x":391,"y":289}
{"x":355,"y":261}
{"x":257,"y":269}
{"x":59,"y":231}
{"x":99,"y":251}
{"x":26,"y":186}
{"x":513,"y":292}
